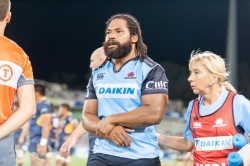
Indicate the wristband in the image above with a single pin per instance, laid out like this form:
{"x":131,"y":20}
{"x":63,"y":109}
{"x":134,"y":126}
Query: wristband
{"x":43,"y":141}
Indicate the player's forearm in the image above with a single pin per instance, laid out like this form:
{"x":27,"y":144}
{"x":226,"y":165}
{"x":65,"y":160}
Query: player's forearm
{"x":74,"y":123}
{"x":17,"y":119}
{"x":45,"y":131}
{"x":58,"y":132}
{"x":89,"y":122}
{"x":46,"y":125}
{"x":78,"y":132}
{"x":25,"y":130}
{"x":140,"y":117}
{"x":176,"y":143}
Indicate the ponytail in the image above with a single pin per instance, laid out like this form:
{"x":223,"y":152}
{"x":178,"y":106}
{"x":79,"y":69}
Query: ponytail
{"x":229,"y":87}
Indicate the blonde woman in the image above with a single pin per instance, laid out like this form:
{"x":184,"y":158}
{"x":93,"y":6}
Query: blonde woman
{"x":214,"y":117}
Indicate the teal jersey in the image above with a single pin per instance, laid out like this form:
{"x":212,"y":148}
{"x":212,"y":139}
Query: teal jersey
{"x":120,"y":92}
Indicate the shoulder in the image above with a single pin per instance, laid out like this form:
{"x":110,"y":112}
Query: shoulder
{"x":13,"y":46}
{"x":101,"y":69}
{"x":241,"y":106}
{"x":190,"y":106}
{"x":69,"y":118}
{"x":240,"y":96}
{"x":103,"y":65}
{"x":241,"y":100}
{"x":147,"y":61}
{"x":150,"y":66}
{"x":45,"y":105}
{"x":15,"y":53}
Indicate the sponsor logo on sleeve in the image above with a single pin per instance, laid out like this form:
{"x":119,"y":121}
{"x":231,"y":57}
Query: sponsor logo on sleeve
{"x":150,"y":85}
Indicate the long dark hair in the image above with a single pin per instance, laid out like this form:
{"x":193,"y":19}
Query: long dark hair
{"x":134,"y":29}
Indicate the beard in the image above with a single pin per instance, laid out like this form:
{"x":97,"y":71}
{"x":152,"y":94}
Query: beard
{"x":121,"y":51}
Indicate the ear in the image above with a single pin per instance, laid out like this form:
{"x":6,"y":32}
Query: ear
{"x":8,"y":17}
{"x":214,"y":79}
{"x":134,"y":38}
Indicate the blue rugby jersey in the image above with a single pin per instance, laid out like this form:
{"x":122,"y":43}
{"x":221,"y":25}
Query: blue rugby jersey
{"x":121,"y":91}
{"x":67,"y":129}
{"x":42,"y":108}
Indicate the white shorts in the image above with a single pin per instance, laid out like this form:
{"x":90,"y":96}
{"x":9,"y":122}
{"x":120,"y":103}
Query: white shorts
{"x":62,"y":159}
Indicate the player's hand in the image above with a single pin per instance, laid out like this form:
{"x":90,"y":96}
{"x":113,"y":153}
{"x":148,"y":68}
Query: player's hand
{"x":244,"y":154}
{"x":66,"y":146}
{"x":65,"y":138}
{"x":104,"y":127}
{"x":119,"y":136}
{"x":42,"y":150}
{"x":20,"y":140}
{"x":128,"y":130}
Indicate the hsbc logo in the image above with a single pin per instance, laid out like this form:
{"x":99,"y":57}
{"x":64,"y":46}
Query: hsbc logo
{"x":156,"y":85}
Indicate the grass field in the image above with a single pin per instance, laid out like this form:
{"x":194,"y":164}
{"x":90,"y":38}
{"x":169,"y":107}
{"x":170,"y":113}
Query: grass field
{"x":76,"y":161}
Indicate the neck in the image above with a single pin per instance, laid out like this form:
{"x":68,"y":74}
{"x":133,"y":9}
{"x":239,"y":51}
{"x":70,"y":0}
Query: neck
{"x":2,"y":28}
{"x":1,"y":32}
{"x":212,"y":96}
{"x":119,"y":62}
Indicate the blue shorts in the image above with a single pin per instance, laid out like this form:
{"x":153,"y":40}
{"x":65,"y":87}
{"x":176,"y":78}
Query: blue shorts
{"x":107,"y":160}
{"x":7,"y":151}
{"x":89,"y":156}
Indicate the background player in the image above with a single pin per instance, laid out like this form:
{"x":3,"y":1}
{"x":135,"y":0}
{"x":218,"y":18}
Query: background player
{"x":66,"y":126}
{"x":97,"y":58}
{"x":40,"y":127}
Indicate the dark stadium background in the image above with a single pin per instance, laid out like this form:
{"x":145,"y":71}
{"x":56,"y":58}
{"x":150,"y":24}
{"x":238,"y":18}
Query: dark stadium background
{"x":60,"y":35}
